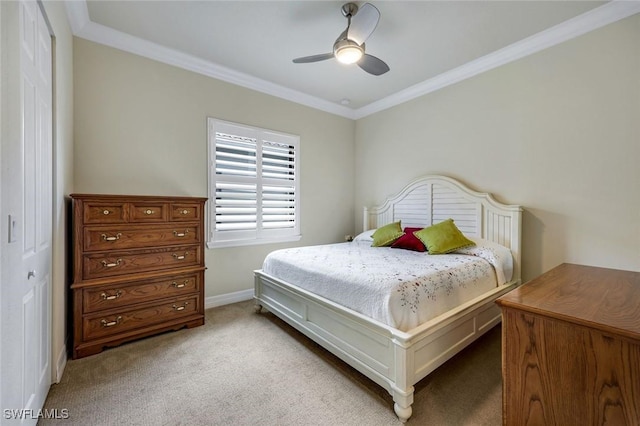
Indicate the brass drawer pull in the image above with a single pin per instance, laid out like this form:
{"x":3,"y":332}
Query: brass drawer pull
{"x":113,"y":238}
{"x":180,"y":308}
{"x":106,"y":323}
{"x":149,"y":211}
{"x":180,"y":257}
{"x":106,"y":212}
{"x":112,"y":296}
{"x":182,"y":284}
{"x":111,"y":265}
{"x":180,"y":234}
{"x":185,"y":211}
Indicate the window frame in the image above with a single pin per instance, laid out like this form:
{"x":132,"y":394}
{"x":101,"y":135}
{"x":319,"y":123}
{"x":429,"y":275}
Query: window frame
{"x":263,"y":137}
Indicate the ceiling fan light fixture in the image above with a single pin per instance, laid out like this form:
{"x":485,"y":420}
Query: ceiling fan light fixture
{"x":348,"y":52}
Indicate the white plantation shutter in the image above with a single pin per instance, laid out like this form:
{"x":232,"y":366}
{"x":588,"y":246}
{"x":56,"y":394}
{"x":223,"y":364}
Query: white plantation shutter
{"x":253,"y":185}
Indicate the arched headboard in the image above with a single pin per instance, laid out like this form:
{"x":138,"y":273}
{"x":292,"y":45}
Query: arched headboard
{"x":432,"y":199}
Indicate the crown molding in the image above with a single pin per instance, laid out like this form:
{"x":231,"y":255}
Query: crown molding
{"x":83,"y":27}
{"x":77,"y":15}
{"x":579,"y":25}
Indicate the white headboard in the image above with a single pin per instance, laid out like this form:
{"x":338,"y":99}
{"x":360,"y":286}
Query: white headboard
{"x":432,"y":199}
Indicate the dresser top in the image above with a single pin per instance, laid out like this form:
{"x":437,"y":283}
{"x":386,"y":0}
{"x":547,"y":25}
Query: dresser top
{"x":601,"y":298}
{"x":113,"y":197}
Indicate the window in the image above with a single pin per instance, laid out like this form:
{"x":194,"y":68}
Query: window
{"x":254,"y":195}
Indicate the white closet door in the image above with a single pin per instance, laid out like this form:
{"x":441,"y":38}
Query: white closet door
{"x":27,"y":209}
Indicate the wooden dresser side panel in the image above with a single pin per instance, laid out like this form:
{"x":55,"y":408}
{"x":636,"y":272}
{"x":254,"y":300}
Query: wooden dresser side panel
{"x":559,"y":373}
{"x":77,"y":238}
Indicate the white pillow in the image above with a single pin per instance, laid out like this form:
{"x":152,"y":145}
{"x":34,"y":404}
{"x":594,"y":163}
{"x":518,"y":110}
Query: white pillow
{"x":366,"y":236}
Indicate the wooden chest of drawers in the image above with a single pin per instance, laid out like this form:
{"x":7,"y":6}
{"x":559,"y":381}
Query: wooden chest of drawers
{"x":138,"y":268}
{"x":571,"y":348}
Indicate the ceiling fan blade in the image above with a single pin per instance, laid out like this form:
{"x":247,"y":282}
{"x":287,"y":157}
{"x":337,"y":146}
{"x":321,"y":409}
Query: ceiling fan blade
{"x":373,"y":65}
{"x":363,"y":23}
{"x":313,"y":58}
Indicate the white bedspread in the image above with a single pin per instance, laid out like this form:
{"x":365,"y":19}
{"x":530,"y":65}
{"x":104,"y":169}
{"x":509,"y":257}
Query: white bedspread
{"x":400,"y":288}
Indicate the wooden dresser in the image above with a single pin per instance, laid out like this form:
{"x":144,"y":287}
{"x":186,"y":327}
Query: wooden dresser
{"x":571,"y":348}
{"x":138,"y":268}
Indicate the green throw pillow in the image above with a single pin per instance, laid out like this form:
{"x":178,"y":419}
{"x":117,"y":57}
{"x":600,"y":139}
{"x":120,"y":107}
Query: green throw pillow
{"x":443,"y":237}
{"x":387,"y":235}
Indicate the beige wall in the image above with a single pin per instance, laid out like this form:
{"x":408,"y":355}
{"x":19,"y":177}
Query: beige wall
{"x":63,"y":176}
{"x":557,"y":132}
{"x":140,"y":128}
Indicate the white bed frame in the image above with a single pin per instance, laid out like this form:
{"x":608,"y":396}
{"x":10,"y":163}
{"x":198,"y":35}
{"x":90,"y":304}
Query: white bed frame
{"x":394,"y":359}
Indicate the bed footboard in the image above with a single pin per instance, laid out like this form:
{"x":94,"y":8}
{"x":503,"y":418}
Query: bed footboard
{"x":393,"y":359}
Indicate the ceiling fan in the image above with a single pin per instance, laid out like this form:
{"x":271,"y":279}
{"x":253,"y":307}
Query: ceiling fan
{"x":349,"y":47}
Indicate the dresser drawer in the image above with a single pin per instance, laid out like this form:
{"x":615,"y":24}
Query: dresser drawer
{"x":97,"y":325}
{"x":116,"y":296}
{"x":185,"y":211}
{"x":99,"y":265}
{"x":126,"y":237}
{"x":148,"y":212}
{"x":104,"y":212}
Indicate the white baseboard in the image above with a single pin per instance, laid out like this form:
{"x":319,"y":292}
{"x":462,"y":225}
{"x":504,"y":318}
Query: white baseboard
{"x":229,"y":298}
{"x":61,"y":363}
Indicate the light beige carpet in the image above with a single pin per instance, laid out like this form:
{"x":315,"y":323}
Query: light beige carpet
{"x":243,"y":368}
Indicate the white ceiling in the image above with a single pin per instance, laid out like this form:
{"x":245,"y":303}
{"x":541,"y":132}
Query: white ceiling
{"x":427,"y":44}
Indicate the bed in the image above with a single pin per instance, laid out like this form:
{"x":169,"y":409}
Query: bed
{"x":397,"y":350}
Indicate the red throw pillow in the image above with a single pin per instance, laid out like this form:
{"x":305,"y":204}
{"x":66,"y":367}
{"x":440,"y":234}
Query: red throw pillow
{"x":409,"y":241}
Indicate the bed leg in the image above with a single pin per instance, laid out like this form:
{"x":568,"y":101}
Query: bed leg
{"x":402,"y":404}
{"x":403,"y":413}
